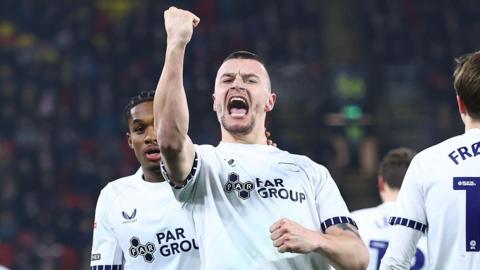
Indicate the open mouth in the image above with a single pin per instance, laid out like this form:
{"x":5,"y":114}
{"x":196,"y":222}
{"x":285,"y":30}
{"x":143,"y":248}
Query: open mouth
{"x":237,"y":106}
{"x":153,"y":153}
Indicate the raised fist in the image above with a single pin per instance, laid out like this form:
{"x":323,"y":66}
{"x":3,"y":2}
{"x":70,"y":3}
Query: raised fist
{"x":179,"y":25}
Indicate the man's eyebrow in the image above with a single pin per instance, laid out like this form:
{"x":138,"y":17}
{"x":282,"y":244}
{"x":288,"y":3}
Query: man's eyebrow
{"x":243,"y":75}
{"x":228,"y":75}
{"x":136,"y":121}
{"x":249,"y":75}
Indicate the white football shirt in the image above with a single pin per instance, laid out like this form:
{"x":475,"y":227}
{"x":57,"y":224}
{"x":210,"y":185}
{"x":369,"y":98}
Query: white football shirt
{"x":140,"y":225}
{"x":237,"y":191}
{"x":375,"y":231}
{"x":440,"y":195}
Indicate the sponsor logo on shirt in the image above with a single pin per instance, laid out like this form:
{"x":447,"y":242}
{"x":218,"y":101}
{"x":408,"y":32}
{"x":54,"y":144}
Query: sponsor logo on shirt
{"x":170,"y":243}
{"x":129,"y":218}
{"x":467,"y":183}
{"x":138,"y":249}
{"x":265,"y":188}
{"x":276,"y":189}
{"x":234,"y":184}
{"x":174,"y":242}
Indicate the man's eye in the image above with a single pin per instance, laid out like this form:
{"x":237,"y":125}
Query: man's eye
{"x":252,"y":81}
{"x":228,"y":80}
{"x":139,"y":129}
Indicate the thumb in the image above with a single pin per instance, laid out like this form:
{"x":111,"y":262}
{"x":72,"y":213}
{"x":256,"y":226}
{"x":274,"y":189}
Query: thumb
{"x":196,"y":20}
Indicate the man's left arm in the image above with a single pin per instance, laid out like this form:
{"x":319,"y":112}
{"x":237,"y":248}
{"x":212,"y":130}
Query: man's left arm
{"x":340,"y":244}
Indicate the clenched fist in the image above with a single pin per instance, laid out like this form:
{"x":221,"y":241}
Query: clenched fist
{"x":179,"y":25}
{"x":289,"y":236}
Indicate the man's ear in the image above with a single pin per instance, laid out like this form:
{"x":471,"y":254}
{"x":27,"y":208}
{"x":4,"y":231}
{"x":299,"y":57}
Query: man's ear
{"x":129,"y":139}
{"x":271,"y":102}
{"x":381,"y":184}
{"x":213,"y":101}
{"x":461,"y":105}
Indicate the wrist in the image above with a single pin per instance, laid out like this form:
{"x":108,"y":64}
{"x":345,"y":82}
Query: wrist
{"x":319,"y":242}
{"x":175,"y":50}
{"x":173,"y":44}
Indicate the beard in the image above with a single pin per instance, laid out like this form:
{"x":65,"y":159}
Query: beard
{"x":234,"y":128}
{"x":238,"y":129}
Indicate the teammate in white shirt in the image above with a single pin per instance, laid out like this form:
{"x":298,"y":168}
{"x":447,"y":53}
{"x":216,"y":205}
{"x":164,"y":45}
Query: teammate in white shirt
{"x":441,"y":190}
{"x":254,"y":206}
{"x":373,"y":222}
{"x":138,"y":222}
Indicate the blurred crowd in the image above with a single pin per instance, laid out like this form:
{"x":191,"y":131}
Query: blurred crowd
{"x":354,"y":79}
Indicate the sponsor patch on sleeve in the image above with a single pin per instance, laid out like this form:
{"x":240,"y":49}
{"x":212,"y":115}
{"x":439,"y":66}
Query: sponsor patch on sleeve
{"x":96,"y":257}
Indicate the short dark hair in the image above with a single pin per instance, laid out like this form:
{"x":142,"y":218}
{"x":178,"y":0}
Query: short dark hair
{"x":467,"y":82}
{"x":251,"y":56}
{"x":394,"y":166}
{"x":135,"y":100}
{"x":244,"y":55}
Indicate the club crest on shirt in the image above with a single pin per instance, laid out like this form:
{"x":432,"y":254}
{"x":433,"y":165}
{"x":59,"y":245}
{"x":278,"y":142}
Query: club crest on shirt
{"x":129,"y":218}
{"x":230,"y":162}
{"x":243,"y":189}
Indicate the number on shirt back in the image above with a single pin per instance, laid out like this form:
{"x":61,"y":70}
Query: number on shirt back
{"x":381,"y":246}
{"x":471,"y":185}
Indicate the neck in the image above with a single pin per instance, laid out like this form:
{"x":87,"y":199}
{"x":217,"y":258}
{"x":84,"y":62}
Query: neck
{"x":471,"y":124}
{"x":389,"y":195}
{"x":254,"y":137}
{"x":152,"y":176}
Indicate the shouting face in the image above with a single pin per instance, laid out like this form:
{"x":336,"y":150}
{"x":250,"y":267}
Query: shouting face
{"x":242,"y":95}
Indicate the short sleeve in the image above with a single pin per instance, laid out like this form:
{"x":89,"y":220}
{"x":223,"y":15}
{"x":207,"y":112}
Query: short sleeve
{"x":194,"y":187}
{"x":186,"y":191}
{"x":409,"y":220}
{"x":329,"y":202}
{"x":106,"y":250}
{"x":410,"y":203}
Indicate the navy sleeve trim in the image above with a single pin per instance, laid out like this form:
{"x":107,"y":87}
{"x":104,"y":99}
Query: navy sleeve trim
{"x":408,"y":223}
{"x":189,"y":177}
{"x":106,"y":267}
{"x":337,"y":220}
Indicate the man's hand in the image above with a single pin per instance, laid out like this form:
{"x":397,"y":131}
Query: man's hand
{"x":179,"y":25}
{"x":289,"y":236}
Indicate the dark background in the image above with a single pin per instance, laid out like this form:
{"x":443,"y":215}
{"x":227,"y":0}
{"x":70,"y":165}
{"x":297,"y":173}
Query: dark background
{"x":353,"y":78}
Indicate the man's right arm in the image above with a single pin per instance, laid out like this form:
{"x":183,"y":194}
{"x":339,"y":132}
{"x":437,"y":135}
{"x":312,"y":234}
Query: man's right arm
{"x":106,"y":250}
{"x":170,"y":102}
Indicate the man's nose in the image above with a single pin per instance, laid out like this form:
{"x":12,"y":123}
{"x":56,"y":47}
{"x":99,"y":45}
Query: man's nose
{"x":238,"y":83}
{"x":150,"y":135}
